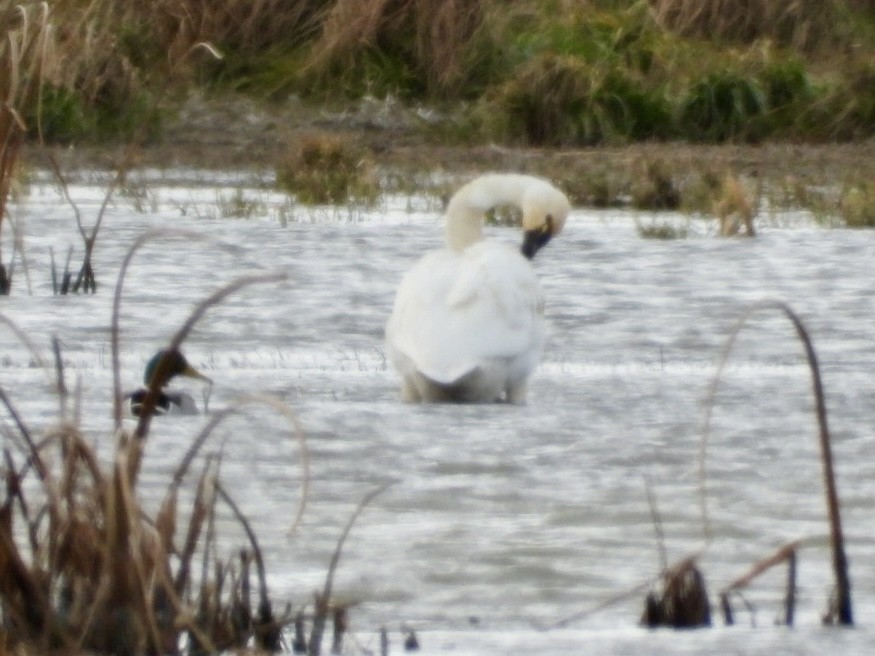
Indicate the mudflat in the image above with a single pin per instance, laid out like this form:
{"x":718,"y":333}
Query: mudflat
{"x":230,"y":132}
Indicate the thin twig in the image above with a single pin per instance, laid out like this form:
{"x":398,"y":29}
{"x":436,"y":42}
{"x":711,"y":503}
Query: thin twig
{"x":761,"y":566}
{"x":141,"y":241}
{"x":24,"y":339}
{"x":264,"y":598}
{"x":59,"y":368}
{"x":318,"y":628}
{"x":607,"y":603}
{"x":235,"y":407}
{"x":657,"y":524}
{"x":151,"y":398}
{"x":843,"y":608}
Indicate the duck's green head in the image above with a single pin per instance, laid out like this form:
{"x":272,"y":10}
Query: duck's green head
{"x":167,"y":364}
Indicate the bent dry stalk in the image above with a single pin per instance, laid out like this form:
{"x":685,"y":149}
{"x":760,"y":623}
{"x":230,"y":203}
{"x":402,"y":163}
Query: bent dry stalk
{"x":90,"y":570}
{"x":85,"y":279}
{"x":786,"y":553}
{"x":96,"y":573}
{"x":23,"y":51}
{"x":323,"y":599}
{"x":681,"y":597}
{"x":840,"y":611}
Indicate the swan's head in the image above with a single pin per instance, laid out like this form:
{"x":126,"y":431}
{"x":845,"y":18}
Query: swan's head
{"x":545,"y":209}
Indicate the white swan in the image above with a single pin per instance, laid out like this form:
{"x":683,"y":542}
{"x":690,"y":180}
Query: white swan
{"x":467,"y":324}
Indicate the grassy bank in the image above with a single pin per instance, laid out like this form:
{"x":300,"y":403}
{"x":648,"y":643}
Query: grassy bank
{"x":557,"y":73}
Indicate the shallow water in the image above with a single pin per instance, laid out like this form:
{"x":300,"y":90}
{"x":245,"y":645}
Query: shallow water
{"x":499,"y":520}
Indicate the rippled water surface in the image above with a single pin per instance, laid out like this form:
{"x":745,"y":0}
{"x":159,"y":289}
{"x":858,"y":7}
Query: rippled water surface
{"x":499,"y":520}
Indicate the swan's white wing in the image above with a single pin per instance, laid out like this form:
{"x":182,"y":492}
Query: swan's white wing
{"x":456,"y":312}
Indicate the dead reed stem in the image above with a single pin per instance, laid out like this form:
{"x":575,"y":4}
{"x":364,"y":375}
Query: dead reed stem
{"x":657,"y":524}
{"x":632,"y":593}
{"x":62,"y":383}
{"x":24,"y":431}
{"x":203,"y":503}
{"x":141,"y":241}
{"x":843,"y":609}
{"x":790,"y":598}
{"x":267,"y":632}
{"x":781,"y":555}
{"x":234,"y":408}
{"x":323,"y":600}
{"x":23,"y":51}
{"x":786,"y":553}
{"x":683,"y":599}
{"x":85,"y":279}
{"x":216,"y":298}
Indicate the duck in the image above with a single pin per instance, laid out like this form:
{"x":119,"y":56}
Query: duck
{"x":167,"y":364}
{"x":467,"y":323}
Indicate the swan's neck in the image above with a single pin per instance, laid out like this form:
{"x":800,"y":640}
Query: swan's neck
{"x":463,"y":227}
{"x":467,"y":207}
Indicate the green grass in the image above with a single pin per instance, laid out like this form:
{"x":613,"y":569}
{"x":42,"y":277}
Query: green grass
{"x":66,"y":117}
{"x":240,"y":205}
{"x":561,"y":100}
{"x":723,"y":106}
{"x":544,"y":73}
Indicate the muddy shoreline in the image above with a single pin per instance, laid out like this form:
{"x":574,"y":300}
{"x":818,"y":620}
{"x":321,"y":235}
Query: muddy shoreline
{"x":239,"y":133}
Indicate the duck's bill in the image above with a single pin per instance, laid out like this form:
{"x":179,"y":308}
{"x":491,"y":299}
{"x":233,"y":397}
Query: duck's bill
{"x":191,"y":372}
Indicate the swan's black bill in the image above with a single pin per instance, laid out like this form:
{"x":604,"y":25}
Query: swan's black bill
{"x":535,"y":240}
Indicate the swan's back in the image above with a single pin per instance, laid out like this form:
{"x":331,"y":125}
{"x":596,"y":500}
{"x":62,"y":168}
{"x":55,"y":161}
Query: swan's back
{"x":473,"y":316}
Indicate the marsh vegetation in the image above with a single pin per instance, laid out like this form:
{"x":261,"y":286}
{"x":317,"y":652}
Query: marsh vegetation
{"x":338,"y":97}
{"x":602,"y":411}
{"x":564,"y":72}
{"x":674,"y":109}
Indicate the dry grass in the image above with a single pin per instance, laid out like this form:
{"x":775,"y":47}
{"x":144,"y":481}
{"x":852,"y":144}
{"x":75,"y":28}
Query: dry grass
{"x":682,"y":601}
{"x":734,"y":208}
{"x":546,"y":102}
{"x":804,"y":24}
{"x":434,"y":35}
{"x":324,"y":169}
{"x":86,"y":53}
{"x":88,"y":569}
{"x":244,"y":27}
{"x":103,"y":66}
{"x":653,"y":186}
{"x":23,"y":58}
{"x":857,"y":204}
